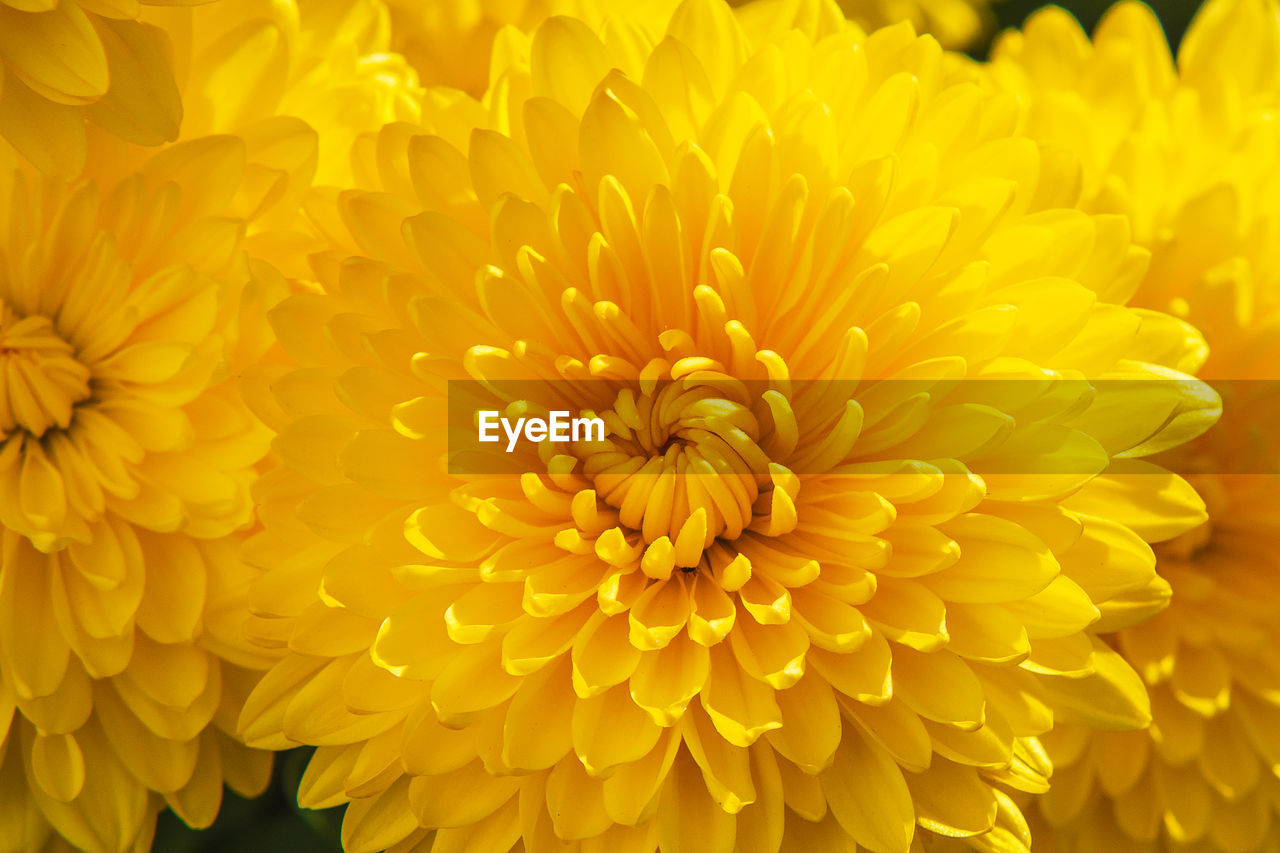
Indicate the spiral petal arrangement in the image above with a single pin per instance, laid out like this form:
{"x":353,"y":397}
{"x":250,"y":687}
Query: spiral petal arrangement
{"x":722,"y":426}
{"x":815,"y":585}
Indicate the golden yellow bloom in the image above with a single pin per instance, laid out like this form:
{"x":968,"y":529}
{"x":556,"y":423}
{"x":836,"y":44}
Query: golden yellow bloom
{"x":815,"y":590}
{"x":1192,"y":154}
{"x":128,"y":310}
{"x":67,"y":62}
{"x":126,"y":461}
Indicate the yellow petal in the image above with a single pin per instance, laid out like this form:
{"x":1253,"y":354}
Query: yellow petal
{"x":143,"y":104}
{"x":538,"y":730}
{"x":665,"y":680}
{"x":953,"y":800}
{"x":375,"y":823}
{"x":868,"y":796}
{"x":741,"y":707}
{"x":74,"y":73}
{"x":1113,"y":698}
{"x":58,"y":766}
{"x":688,"y":819}
{"x":575,"y":801}
{"x":610,"y":730}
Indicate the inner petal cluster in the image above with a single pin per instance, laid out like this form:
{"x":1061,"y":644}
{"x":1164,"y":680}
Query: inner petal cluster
{"x":40,"y":379}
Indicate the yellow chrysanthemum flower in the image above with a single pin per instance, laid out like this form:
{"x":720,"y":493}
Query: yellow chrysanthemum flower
{"x":128,"y":309}
{"x":1192,"y":154}
{"x":127,"y":457}
{"x":839,"y":612}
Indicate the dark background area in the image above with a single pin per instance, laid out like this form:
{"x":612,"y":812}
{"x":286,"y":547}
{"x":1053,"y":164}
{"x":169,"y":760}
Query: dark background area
{"x":273,"y":823}
{"x":1174,"y":14}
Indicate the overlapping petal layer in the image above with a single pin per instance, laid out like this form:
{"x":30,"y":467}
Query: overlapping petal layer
{"x":246,"y":65}
{"x":456,"y":43}
{"x":66,"y":63}
{"x":1191,"y":154}
{"x":151,"y":73}
{"x":838,"y":611}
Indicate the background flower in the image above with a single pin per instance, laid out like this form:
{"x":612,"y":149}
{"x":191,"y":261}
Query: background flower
{"x":451,"y":43}
{"x":127,"y":460}
{"x":860,"y":613}
{"x":955,"y":23}
{"x":1191,"y":154}
{"x":131,"y":299}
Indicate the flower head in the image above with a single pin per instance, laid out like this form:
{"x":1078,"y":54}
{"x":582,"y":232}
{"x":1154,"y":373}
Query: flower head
{"x":817,"y":587}
{"x":132,"y":298}
{"x":1191,"y":153}
{"x":127,"y":458}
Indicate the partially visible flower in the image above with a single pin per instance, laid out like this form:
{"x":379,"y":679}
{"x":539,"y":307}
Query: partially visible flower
{"x":838,"y":613}
{"x":451,"y":42}
{"x":1192,"y":155}
{"x":246,"y":65}
{"x":148,"y":73}
{"x":126,"y":310}
{"x":132,"y":298}
{"x":954,"y":23}
{"x":69,"y":62}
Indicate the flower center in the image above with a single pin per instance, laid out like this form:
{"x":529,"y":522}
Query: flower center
{"x":40,"y":378}
{"x":683,"y":467}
